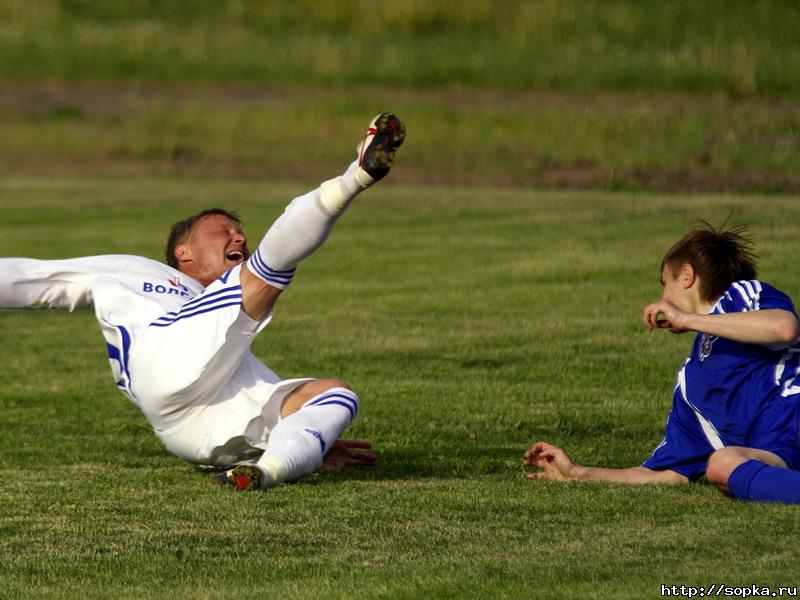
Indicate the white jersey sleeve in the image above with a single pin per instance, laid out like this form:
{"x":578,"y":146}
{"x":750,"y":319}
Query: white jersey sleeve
{"x":64,"y":284}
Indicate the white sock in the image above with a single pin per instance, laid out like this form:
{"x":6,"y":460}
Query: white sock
{"x":337,"y":193}
{"x":298,"y":443}
{"x":304,"y":226}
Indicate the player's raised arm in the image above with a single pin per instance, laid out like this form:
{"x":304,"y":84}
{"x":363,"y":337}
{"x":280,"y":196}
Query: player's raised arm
{"x":557,"y":465}
{"x":31,"y":283}
{"x":709,"y":286}
{"x":771,"y":326}
{"x":744,"y":311}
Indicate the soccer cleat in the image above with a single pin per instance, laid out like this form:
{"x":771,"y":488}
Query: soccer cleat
{"x":376,"y":151}
{"x":245,"y":478}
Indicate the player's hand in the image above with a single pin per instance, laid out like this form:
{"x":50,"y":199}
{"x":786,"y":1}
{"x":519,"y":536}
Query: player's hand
{"x":554,"y":463}
{"x":664,"y":314}
{"x":349,"y":453}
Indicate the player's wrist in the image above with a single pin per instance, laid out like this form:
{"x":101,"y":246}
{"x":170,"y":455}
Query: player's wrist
{"x":578,"y":473}
{"x":693,"y":322}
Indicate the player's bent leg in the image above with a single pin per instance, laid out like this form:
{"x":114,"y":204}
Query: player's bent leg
{"x":314,"y":416}
{"x":724,"y":461}
{"x":303,"y":393}
{"x":754,"y":480}
{"x":726,"y":468}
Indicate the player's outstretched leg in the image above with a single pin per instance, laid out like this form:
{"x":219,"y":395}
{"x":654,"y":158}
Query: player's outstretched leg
{"x":376,"y":153}
{"x":307,"y":221}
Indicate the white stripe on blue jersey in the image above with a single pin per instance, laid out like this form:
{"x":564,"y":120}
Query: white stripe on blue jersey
{"x":788,"y":385}
{"x":711,"y":433}
{"x":744,"y":295}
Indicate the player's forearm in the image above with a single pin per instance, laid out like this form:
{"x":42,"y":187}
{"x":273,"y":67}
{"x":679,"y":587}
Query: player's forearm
{"x":772,"y":326}
{"x":630,"y":475}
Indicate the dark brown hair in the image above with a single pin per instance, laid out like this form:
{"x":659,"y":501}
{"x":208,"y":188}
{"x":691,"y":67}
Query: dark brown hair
{"x":718,"y":256}
{"x":182,"y":229}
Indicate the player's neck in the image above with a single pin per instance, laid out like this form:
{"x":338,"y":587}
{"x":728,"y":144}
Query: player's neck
{"x":703,"y":308}
{"x":696,"y":304}
{"x":699,"y":305}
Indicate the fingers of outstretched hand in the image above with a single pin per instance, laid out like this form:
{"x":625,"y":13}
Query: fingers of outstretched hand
{"x":542,"y":455}
{"x":355,"y":452}
{"x":650,"y":314}
{"x":544,"y":460}
{"x":354,"y":443}
{"x":537,"y":449}
{"x":349,"y":453}
{"x":362,"y":458}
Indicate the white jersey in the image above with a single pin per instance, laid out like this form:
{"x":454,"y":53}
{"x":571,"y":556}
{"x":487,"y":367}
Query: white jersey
{"x":179,"y":351}
{"x":128,"y":293}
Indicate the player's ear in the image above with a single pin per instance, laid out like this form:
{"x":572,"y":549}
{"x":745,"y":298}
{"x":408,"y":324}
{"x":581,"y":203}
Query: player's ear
{"x":182,"y":253}
{"x":688,"y":276}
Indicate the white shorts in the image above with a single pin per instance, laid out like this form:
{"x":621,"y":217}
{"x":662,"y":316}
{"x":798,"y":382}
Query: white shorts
{"x":209,"y":399}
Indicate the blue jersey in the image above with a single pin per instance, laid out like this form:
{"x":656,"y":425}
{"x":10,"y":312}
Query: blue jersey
{"x":733,"y":394}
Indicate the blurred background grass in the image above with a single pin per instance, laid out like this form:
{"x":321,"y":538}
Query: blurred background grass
{"x":736,"y":47}
{"x":642,"y":95}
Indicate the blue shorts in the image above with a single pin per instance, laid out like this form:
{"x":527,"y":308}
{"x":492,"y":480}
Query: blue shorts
{"x":778,"y":430}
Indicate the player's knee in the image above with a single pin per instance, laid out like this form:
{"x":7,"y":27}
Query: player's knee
{"x":294,"y":401}
{"x":722,"y":463}
{"x":327,"y":384}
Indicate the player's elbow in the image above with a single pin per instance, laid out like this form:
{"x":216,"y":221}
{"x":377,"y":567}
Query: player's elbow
{"x":788,"y":329}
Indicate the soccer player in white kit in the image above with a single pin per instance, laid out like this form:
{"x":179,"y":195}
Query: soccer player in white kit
{"x":179,"y":335}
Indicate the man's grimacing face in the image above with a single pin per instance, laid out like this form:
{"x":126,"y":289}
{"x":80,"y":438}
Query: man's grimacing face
{"x":214,"y":245}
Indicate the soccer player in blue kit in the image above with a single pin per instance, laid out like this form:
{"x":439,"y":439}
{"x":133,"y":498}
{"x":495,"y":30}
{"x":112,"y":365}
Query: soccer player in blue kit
{"x":736,"y":406}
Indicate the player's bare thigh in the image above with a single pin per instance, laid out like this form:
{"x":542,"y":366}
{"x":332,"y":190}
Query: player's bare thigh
{"x":304,"y":393}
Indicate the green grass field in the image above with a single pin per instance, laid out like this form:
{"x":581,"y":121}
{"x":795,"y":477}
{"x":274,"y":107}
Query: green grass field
{"x":472,"y":321}
{"x":487,"y":296}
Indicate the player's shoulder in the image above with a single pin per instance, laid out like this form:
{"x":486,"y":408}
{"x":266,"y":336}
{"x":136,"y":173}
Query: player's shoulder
{"x":747,"y":295}
{"x":142,"y":272}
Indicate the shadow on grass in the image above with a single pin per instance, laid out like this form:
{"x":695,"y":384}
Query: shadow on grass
{"x":409,"y":464}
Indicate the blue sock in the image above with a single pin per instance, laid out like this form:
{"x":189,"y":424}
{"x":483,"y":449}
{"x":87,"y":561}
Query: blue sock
{"x":754,"y":480}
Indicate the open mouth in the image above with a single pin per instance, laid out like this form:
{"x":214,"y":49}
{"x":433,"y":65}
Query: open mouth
{"x":235,"y":256}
